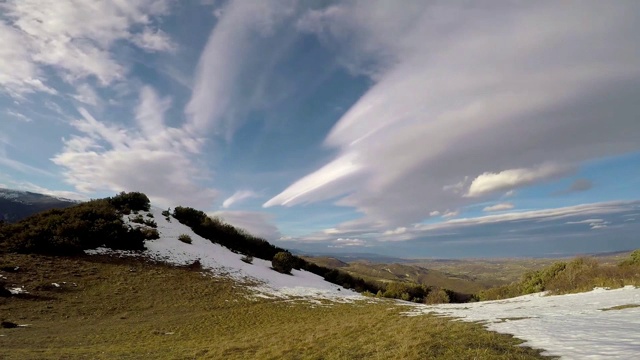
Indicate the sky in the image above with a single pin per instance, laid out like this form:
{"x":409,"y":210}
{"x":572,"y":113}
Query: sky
{"x":414,"y":129}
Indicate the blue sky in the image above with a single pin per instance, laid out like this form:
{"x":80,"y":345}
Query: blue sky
{"x":420,"y":129}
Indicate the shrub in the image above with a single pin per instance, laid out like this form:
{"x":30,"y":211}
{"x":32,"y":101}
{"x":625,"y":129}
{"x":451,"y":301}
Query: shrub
{"x":150,"y":234}
{"x":71,"y":230}
{"x":166,"y":213}
{"x":150,"y":223}
{"x":131,"y":201}
{"x":437,"y":296}
{"x":138,"y":219}
{"x":633,"y":260}
{"x":282,"y":262}
{"x":247,"y":258}
{"x":150,"y":215}
{"x":185,"y":238}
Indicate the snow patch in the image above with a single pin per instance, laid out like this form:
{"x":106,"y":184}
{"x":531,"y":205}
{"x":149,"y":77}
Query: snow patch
{"x":572,"y":326}
{"x":222,"y":261}
{"x":18,"y":290}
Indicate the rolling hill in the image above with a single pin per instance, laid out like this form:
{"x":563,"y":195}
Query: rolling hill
{"x":16,"y":205}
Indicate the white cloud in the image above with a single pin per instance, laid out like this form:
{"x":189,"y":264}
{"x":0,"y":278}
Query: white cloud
{"x":488,"y":182}
{"x":499,"y":207}
{"x":593,"y":223}
{"x":328,"y":181}
{"x":347,"y":242}
{"x":72,"y":37}
{"x":238,"y":197}
{"x":148,"y":156}
{"x":17,"y":115}
{"x":86,"y":94}
{"x":256,"y":223}
{"x":487,"y":92}
{"x":153,"y":40}
{"x":460,"y":226}
{"x":229,"y":84}
{"x":450,"y":213}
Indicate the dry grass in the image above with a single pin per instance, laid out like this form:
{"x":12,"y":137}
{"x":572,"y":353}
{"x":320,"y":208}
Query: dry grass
{"x":127,"y":309}
{"x":621,"y":307}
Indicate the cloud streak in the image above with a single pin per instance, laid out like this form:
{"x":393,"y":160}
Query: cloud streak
{"x":505,"y":97}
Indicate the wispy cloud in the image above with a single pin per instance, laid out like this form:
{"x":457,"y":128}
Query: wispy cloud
{"x":148,"y":156}
{"x":238,"y":197}
{"x":456,"y":88}
{"x":499,"y":207}
{"x":76,"y":45}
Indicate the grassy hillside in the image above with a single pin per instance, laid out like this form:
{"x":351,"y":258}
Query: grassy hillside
{"x":109,"y":308}
{"x":578,"y":275}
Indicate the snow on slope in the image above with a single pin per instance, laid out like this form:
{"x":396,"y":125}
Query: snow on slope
{"x":222,"y":261}
{"x":572,"y":326}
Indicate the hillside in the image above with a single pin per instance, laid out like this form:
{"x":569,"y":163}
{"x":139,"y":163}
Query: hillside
{"x":197,"y":299}
{"x":117,"y":278}
{"x":16,"y":205}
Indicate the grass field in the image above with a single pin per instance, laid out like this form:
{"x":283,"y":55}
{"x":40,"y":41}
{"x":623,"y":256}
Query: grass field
{"x":128,"y":309}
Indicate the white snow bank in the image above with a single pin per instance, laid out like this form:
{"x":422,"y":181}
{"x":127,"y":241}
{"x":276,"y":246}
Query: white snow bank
{"x":572,"y":326}
{"x":222,"y":261}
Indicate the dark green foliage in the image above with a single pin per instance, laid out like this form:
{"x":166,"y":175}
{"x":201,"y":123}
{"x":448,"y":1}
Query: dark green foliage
{"x":282,"y":262}
{"x":150,"y":223}
{"x":133,"y":201}
{"x":71,"y":230}
{"x":166,"y":213}
{"x":185,"y":238}
{"x":150,"y":215}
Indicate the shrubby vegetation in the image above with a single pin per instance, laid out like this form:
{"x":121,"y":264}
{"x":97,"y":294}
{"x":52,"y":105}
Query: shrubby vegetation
{"x":282,"y":262}
{"x":580,"y":274}
{"x":132,"y":201}
{"x":240,"y":241}
{"x":84,"y":226}
{"x":185,"y":238}
{"x":633,"y":260}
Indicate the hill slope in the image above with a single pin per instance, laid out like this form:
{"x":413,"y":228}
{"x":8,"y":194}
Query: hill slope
{"x":222,"y":261}
{"x":16,"y":205}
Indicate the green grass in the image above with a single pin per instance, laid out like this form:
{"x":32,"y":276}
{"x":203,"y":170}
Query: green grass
{"x":127,"y":309}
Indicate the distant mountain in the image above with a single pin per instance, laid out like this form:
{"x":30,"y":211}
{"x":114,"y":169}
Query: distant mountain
{"x":348,"y":257}
{"x":16,"y":205}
